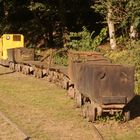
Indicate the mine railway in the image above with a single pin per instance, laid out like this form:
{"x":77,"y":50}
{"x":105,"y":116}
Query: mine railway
{"x":97,"y":85}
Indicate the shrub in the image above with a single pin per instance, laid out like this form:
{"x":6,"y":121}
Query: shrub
{"x":130,"y":55}
{"x":84,"y":41}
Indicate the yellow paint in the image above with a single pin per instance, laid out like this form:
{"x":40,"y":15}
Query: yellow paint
{"x":7,"y":42}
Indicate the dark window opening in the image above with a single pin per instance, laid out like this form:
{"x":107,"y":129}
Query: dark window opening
{"x":16,"y":38}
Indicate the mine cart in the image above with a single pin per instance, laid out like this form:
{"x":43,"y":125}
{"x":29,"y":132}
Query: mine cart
{"x":101,"y":87}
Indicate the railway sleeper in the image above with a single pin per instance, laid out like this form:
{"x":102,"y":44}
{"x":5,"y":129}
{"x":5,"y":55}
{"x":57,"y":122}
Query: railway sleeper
{"x":127,"y":115}
{"x":44,"y":72}
{"x":40,"y":73}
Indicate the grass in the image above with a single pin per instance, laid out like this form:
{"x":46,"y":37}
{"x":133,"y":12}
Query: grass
{"x":41,"y":109}
{"x":44,"y":112}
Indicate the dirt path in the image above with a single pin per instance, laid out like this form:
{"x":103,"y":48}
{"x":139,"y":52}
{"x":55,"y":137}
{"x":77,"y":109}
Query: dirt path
{"x":44,"y":112}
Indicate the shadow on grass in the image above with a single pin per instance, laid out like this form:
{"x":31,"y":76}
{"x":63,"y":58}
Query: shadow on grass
{"x":7,"y":73}
{"x":134,"y":107}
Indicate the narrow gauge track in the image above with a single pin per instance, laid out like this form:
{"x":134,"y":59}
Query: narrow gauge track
{"x":19,"y":132}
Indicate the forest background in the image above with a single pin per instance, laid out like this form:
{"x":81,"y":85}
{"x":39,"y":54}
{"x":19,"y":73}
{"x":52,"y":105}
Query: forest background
{"x":109,"y":26}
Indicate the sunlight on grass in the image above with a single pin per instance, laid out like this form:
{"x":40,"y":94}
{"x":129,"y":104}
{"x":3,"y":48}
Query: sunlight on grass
{"x":44,"y":111}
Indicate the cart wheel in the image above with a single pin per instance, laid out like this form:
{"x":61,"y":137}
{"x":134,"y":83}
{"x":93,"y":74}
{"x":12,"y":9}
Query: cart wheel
{"x":71,"y":92}
{"x":64,"y":83}
{"x":91,"y":114}
{"x":99,"y":111}
{"x":23,"y":70}
{"x":35,"y":73}
{"x":40,"y":73}
{"x":126,"y":115}
{"x":16,"y":67}
{"x":12,"y":66}
{"x":78,"y":99}
{"x":54,"y":77}
{"x":27,"y":71}
{"x":19,"y":67}
{"x":84,"y":111}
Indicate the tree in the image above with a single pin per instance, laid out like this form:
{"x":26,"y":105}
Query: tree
{"x":111,"y":26}
{"x":105,"y":7}
{"x":133,"y":15}
{"x":122,"y":16}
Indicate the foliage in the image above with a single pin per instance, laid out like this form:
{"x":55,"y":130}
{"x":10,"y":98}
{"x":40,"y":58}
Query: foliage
{"x":84,"y":40}
{"x":130,"y":55}
{"x":48,"y":19}
{"x":40,"y":18}
{"x":61,"y":58}
{"x":37,"y":5}
{"x":118,"y":116}
{"x":134,"y":13}
{"x":125,"y":13}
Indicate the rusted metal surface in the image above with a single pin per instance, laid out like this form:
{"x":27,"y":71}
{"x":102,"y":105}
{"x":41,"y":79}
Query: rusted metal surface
{"x":104,"y":83}
{"x":101,"y":81}
{"x":114,"y":99}
{"x":86,"y":56}
{"x":24,"y":54}
{"x":21,"y":54}
{"x":79,"y":57}
{"x":118,"y":106}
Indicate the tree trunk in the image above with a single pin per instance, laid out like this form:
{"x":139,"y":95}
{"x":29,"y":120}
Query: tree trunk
{"x":5,"y":8}
{"x":111,"y":27}
{"x":133,"y":32}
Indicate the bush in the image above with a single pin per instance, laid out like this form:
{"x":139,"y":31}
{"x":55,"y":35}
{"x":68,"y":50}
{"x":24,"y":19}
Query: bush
{"x":84,"y":41}
{"x":61,"y":58}
{"x":130,"y":55}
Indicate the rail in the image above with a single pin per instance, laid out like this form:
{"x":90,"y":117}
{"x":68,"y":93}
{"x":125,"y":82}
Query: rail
{"x":23,"y":135}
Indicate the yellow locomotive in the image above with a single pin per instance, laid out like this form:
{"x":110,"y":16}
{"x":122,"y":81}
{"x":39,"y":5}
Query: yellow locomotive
{"x":10,"y":41}
{"x":12,"y":49}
